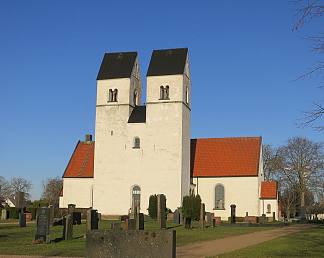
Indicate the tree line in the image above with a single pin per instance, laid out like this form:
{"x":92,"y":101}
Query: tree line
{"x":298,"y":168}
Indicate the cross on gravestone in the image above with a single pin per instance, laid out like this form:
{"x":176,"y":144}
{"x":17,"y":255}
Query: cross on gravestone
{"x":68,"y":227}
{"x":92,"y":219}
{"x":233,"y":216}
{"x":202,"y":215}
{"x":43,"y":224}
{"x":161,"y":205}
{"x":4,"y":214}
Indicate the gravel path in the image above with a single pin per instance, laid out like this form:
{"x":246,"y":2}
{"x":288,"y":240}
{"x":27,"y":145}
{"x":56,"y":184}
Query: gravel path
{"x":229,"y":244}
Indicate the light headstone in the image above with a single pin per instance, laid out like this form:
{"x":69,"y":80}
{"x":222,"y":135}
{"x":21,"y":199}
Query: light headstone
{"x":43,"y":225}
{"x":68,"y":227}
{"x":4,"y":214}
{"x":202,"y":215}
{"x":161,"y":203}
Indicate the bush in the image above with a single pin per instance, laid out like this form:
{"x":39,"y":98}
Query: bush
{"x":152,"y":209}
{"x":13,"y":213}
{"x":191,"y":208}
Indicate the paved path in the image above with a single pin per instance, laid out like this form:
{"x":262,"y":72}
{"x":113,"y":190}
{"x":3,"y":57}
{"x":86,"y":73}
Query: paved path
{"x":229,"y":244}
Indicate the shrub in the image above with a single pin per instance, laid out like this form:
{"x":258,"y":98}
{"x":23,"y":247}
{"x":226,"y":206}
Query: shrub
{"x":191,"y":208}
{"x":13,"y":212}
{"x":152,"y":209}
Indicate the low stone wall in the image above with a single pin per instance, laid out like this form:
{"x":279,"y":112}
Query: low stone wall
{"x":131,"y":244}
{"x":251,"y":219}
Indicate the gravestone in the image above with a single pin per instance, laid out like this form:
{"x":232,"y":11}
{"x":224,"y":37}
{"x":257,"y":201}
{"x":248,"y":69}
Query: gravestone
{"x":92,"y":219}
{"x":209,"y":218}
{"x":246,"y":214}
{"x":51,"y":207}
{"x":4,"y":214}
{"x":43,"y":225}
{"x":214,"y":222}
{"x":131,"y":244}
{"x":76,"y":218}
{"x":115,"y":226}
{"x":176,"y":217}
{"x":141,"y":221}
{"x":68,"y":227}
{"x":233,"y":217}
{"x":71,"y":208}
{"x":130,"y":224}
{"x":161,"y":205}
{"x":170,"y":216}
{"x":202,"y":215}
{"x":22,"y":218}
{"x":182,"y":220}
{"x":273,"y":216}
{"x":136,"y":217}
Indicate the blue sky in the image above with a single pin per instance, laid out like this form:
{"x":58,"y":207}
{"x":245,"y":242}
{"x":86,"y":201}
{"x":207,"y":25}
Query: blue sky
{"x":244,"y":60}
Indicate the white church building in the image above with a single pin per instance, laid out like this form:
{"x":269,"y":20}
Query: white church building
{"x":140,"y":150}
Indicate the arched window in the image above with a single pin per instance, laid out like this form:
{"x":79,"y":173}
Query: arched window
{"x":269,"y":208}
{"x":136,"y":143}
{"x":166,"y":92}
{"x":161,"y":92}
{"x":110,"y":95}
{"x":115,"y":95}
{"x":219,"y":197}
{"x":136,"y":198}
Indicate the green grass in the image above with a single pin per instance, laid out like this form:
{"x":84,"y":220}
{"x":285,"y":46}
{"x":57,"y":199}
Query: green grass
{"x":308,"y":243}
{"x":15,"y":240}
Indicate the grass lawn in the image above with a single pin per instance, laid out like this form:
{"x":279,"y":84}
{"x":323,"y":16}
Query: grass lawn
{"x":15,"y":240}
{"x":309,"y":243}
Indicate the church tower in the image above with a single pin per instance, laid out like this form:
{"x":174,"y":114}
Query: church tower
{"x":142,"y":150}
{"x":168,"y":119}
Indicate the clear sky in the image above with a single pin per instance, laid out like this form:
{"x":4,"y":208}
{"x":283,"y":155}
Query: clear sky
{"x":244,"y":60}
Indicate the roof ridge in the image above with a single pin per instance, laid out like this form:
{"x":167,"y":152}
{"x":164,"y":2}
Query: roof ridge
{"x":234,"y":137}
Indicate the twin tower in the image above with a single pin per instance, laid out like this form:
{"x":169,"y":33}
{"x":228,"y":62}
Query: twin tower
{"x":142,"y":150}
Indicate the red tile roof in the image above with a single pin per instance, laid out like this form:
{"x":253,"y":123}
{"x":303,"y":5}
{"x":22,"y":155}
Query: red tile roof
{"x":81,"y":162}
{"x":269,"y":190}
{"x":224,"y":157}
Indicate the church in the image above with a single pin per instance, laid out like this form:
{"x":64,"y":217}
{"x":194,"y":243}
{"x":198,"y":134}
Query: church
{"x":140,"y":150}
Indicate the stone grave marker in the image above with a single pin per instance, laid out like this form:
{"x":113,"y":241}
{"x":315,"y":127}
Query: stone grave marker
{"x":209,"y":218}
{"x":22,"y":218}
{"x":51,"y":207}
{"x":176,"y":217}
{"x":202,"y":215}
{"x":76,"y":218}
{"x":273,"y":216}
{"x":161,"y":203}
{"x":130,"y":224}
{"x":68,"y":227}
{"x":141,"y":221}
{"x":71,"y":208}
{"x":92,"y":219}
{"x":20,"y":200}
{"x":233,"y":216}
{"x":182,"y":220}
{"x":131,"y":244}
{"x":43,"y":225}
{"x":4,"y":214}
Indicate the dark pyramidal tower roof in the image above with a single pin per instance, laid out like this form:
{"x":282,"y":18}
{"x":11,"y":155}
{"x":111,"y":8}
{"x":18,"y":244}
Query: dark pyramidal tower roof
{"x":167,"y":62}
{"x":117,"y":65}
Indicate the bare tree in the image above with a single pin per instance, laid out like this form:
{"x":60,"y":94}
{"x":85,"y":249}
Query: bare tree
{"x":271,"y":162}
{"x":307,"y":10}
{"x":4,"y":188}
{"x":302,"y":162}
{"x":19,"y":184}
{"x":51,"y":190}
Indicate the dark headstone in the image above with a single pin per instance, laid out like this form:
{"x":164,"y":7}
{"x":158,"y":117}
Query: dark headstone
{"x":71,"y":208}
{"x":131,"y":244}
{"x":246,"y":214}
{"x":273,"y":216}
{"x":233,"y":219}
{"x":214,"y":222}
{"x":161,"y":206}
{"x":176,"y":216}
{"x":22,"y":219}
{"x":92,"y":219}
{"x":263,"y":219}
{"x":43,"y":225}
{"x":76,"y":218}
{"x":141,"y":221}
{"x":68,"y":227}
{"x":202,"y":215}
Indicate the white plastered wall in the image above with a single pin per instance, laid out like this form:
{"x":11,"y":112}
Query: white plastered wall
{"x":77,"y":191}
{"x":274,"y":207}
{"x":241,"y":191}
{"x":162,"y":163}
